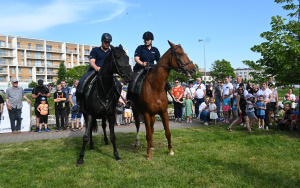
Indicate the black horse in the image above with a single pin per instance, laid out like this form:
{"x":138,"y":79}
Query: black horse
{"x":103,"y":98}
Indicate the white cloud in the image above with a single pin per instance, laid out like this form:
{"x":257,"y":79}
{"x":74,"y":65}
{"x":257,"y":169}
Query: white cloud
{"x":20,"y":17}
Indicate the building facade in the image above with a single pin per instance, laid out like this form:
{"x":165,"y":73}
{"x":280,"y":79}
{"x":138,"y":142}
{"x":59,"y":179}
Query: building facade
{"x":244,"y":73}
{"x":30,"y":59}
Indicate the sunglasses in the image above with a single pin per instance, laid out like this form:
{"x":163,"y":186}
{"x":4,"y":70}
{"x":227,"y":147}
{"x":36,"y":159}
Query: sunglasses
{"x":15,"y":82}
{"x":219,"y":82}
{"x":176,"y":82}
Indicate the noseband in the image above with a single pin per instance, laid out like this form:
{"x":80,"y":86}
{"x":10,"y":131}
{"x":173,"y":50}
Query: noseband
{"x":181,"y":66}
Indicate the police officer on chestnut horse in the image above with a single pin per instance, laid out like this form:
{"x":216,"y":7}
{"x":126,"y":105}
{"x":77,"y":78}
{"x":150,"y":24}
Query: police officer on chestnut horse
{"x":97,"y":57}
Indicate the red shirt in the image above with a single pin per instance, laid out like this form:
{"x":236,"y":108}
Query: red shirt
{"x":177,"y":91}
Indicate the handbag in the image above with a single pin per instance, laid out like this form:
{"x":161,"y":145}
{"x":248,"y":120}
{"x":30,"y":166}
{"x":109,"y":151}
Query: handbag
{"x":194,"y":101}
{"x":120,"y":109}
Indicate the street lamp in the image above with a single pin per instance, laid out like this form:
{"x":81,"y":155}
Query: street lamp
{"x":200,"y":40}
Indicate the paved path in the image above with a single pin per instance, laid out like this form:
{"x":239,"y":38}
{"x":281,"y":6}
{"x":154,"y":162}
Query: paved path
{"x":29,"y":136}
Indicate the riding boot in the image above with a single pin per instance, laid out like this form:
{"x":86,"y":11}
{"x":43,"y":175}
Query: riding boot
{"x":132,"y":87}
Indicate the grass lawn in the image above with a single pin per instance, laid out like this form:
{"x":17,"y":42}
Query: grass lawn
{"x":206,"y":156}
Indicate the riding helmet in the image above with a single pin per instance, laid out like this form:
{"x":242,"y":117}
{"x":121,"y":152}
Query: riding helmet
{"x":148,"y":35}
{"x":106,"y":37}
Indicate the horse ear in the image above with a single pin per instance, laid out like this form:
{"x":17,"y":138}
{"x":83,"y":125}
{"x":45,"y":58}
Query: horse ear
{"x":171,"y":44}
{"x":112,"y":47}
{"x":120,"y":46}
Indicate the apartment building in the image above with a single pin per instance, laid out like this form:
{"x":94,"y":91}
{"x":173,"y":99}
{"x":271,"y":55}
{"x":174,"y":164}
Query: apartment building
{"x":244,"y":73}
{"x":30,"y":59}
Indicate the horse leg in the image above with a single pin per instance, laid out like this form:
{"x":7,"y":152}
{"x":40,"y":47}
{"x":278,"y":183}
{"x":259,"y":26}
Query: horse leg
{"x":104,"y":131}
{"x":94,"y":123}
{"x":111,"y":120}
{"x":136,"y":116}
{"x":152,"y":121}
{"x":88,"y":120}
{"x":165,"y":120}
{"x":148,"y":134}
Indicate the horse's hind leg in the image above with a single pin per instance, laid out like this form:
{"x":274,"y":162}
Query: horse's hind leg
{"x":104,"y":131}
{"x":111,"y":120}
{"x":136,"y":116}
{"x":149,"y":135}
{"x":94,"y":124}
{"x":152,"y":121}
{"x":88,"y":120}
{"x":165,"y":120}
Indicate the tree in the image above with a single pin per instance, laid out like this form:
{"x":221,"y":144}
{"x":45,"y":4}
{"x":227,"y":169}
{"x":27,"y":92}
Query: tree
{"x":32,"y":84}
{"x":222,"y":68}
{"x":75,"y":73}
{"x":61,"y":72}
{"x":281,"y":51}
{"x":181,"y":77}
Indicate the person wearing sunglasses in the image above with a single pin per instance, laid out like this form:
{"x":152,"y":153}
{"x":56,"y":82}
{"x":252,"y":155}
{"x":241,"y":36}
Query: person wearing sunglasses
{"x":177,"y":93}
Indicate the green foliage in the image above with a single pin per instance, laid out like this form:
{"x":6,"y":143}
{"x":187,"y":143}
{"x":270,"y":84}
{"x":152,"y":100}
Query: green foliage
{"x":181,"y":77}
{"x":76,"y":73}
{"x":222,"y":68}
{"x":32,"y":84}
{"x":280,"y":53}
{"x":61,"y":72}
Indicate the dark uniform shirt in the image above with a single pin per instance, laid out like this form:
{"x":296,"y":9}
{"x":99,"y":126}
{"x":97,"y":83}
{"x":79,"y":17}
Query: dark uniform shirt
{"x":99,"y":55}
{"x":146,"y":55}
{"x":57,"y":95}
{"x":42,"y":90}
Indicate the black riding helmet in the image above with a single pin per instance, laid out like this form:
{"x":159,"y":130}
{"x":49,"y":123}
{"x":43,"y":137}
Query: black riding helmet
{"x":148,"y":35}
{"x":106,"y":37}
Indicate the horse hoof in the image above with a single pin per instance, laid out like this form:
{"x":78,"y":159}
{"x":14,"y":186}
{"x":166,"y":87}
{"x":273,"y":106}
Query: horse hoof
{"x":149,"y":158}
{"x":119,"y":159}
{"x":171,"y":153}
{"x":79,"y":165}
{"x":152,"y":149}
{"x":79,"y":162}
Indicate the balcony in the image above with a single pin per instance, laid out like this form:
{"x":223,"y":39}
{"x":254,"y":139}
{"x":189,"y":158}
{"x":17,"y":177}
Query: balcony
{"x":35,"y":57}
{"x":5,"y":63}
{"x":86,"y":60}
{"x":40,"y":72}
{"x":54,"y":50}
{"x":71,"y":52}
{"x":7,"y":55}
{"x":3,"y":72}
{"x":7,"y":46}
{"x":50,"y":80}
{"x":30,"y":48}
{"x":55,"y":58}
{"x":86,"y":53}
{"x":51,"y":73}
{"x":51,"y":65}
{"x":40,"y":64}
{"x":22,"y":64}
{"x":25,"y":80}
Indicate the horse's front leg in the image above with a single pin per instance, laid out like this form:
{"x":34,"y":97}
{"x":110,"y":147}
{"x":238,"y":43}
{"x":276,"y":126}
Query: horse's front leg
{"x":148,"y":134}
{"x":104,"y":131}
{"x":94,"y":125}
{"x":152,"y":121}
{"x":88,"y":120}
{"x":111,"y":120}
{"x":136,"y":116}
{"x":165,"y":120}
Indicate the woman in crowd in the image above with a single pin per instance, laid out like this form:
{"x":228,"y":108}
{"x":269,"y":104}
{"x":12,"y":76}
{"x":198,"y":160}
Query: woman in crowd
{"x":241,"y":106}
{"x":292,"y":98}
{"x":249,"y":87}
{"x":209,"y":90}
{"x":273,"y":102}
{"x":177,"y":92}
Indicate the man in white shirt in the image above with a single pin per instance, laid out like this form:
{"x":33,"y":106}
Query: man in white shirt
{"x":204,"y":111}
{"x":200,"y":91}
{"x":227,"y":88}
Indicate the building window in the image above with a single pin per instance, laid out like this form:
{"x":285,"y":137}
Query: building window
{"x":22,"y":62}
{"x":29,"y":70}
{"x":9,"y":61}
{"x":18,"y":43}
{"x":19,"y":70}
{"x":2,"y":79}
{"x":19,"y":78}
{"x":13,"y":70}
{"x":9,"y":44}
{"x":48,"y":48}
{"x":22,"y":54}
{"x":29,"y":54}
{"x":2,"y":61}
{"x":29,"y":62}
{"x":49,"y":56}
{"x":59,"y":55}
{"x":38,"y":63}
{"x":245,"y":72}
{"x":59,"y":48}
{"x":2,"y":43}
{"x":29,"y":46}
{"x":30,"y":78}
{"x":2,"y":52}
{"x":39,"y":47}
{"x":38,"y":54}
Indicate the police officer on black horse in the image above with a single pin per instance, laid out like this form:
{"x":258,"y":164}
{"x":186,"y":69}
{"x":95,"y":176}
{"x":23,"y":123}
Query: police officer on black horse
{"x":97,"y":57}
{"x":144,"y":56}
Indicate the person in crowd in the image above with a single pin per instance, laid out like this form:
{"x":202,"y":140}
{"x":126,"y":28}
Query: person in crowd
{"x":278,"y":114}
{"x":213,"y":111}
{"x":249,"y":87}
{"x":76,"y":115}
{"x":185,"y":86}
{"x":204,"y":111}
{"x":1,"y":106}
{"x":237,"y":84}
{"x":65,"y":89}
{"x":209,"y":89}
{"x":59,"y":102}
{"x":273,"y":102}
{"x":97,"y":57}
{"x":255,"y":90}
{"x":241,"y":106}
{"x":234,"y":106}
{"x":217,"y":95}
{"x":14,"y":104}
{"x":43,"y":109}
{"x":287,"y":118}
{"x":271,"y":81}
{"x":177,"y":92}
{"x":261,"y":112}
{"x":121,"y":103}
{"x":200,"y":91}
{"x":144,"y":56}
{"x":292,"y":98}
{"x":190,"y":90}
{"x":228,"y":90}
{"x":268,"y":96}
{"x":287,"y":99}
{"x":37,"y":93}
{"x":226,"y":107}
{"x":127,"y":116}
{"x":188,"y":111}
{"x":250,"y":109}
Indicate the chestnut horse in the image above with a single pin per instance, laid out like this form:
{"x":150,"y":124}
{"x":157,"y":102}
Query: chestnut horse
{"x":153,"y":98}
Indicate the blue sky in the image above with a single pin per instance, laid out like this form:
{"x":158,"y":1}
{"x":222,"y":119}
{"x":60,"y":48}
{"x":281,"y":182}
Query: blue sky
{"x":230,"y":28}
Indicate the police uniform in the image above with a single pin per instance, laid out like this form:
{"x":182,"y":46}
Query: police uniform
{"x":146,"y":55}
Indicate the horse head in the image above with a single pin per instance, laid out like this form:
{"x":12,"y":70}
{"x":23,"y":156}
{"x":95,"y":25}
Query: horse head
{"x":121,"y":62}
{"x":180,"y":61}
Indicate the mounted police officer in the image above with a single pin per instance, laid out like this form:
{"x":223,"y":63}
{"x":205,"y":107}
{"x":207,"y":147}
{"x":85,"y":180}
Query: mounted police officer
{"x":144,"y":56}
{"x":97,"y":57}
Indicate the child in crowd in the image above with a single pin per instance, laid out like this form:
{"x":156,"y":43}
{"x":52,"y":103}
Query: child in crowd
{"x":287,"y":118}
{"x":261,"y":112}
{"x":43,"y":109}
{"x":234,"y":107}
{"x":226,"y":107}
{"x":188,"y":109}
{"x":127,"y":116}
{"x":59,"y":105}
{"x":213,"y":110}
{"x":286,"y":99}
{"x":250,"y":109}
{"x":279,"y":112}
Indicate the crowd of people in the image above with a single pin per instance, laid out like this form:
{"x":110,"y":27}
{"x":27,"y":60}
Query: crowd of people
{"x":237,"y":103}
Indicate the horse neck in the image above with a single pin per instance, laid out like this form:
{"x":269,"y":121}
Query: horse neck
{"x":161,"y":73}
{"x":106,"y":71}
